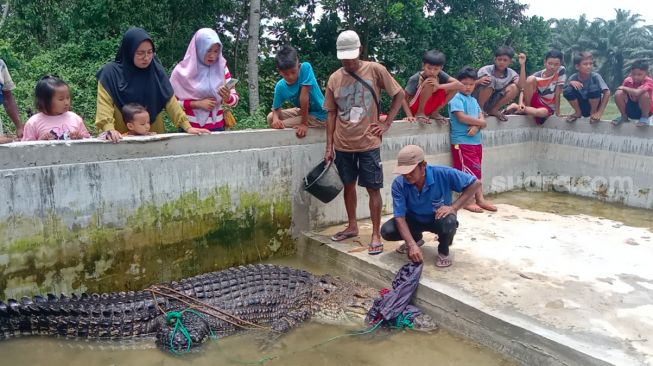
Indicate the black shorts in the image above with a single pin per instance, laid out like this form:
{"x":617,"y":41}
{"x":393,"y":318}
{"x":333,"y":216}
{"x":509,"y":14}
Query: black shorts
{"x":364,"y":166}
{"x":632,"y":110}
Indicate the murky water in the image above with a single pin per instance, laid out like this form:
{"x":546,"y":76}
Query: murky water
{"x":304,"y":345}
{"x":565,"y":204}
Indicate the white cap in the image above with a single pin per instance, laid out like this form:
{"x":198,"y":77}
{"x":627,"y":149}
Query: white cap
{"x":348,"y":45}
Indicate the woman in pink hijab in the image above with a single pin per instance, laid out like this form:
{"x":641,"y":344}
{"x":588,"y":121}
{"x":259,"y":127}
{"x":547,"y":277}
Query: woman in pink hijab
{"x":199,"y":81}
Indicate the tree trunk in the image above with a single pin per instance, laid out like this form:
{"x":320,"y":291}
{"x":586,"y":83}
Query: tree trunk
{"x":252,"y":53}
{"x":5,"y":12}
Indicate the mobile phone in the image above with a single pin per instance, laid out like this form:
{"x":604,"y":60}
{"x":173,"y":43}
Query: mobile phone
{"x":231,"y":83}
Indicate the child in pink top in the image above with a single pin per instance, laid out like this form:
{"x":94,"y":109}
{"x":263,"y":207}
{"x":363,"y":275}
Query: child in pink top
{"x":54,"y":121}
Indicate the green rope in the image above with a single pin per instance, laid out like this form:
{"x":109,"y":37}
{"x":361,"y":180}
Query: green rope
{"x":175,"y":317}
{"x":403,"y":321}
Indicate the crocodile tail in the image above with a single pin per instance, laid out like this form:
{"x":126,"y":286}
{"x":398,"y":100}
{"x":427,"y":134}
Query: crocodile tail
{"x":105,"y":316}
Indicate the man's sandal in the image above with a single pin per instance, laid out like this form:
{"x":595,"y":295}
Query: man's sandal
{"x":571,"y":118}
{"x":443,"y":261}
{"x":403,"y":248}
{"x":375,"y":248}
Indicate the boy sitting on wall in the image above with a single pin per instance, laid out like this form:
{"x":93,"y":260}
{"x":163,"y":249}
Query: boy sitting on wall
{"x":299,"y":86}
{"x":634,"y":97}
{"x":429,"y":90}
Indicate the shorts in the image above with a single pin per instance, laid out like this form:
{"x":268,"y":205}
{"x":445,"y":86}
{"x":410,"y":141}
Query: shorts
{"x":536,"y":102}
{"x":363,"y":166}
{"x":632,"y":110}
{"x":584,"y":103}
{"x":436,"y":101}
{"x":467,"y":158}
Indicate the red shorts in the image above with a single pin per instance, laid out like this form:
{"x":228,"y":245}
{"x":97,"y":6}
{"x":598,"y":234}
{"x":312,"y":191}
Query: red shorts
{"x":536,"y":102}
{"x":437,"y":100}
{"x":467,"y":158}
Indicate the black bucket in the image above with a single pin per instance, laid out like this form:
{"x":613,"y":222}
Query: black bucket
{"x":323,"y":182}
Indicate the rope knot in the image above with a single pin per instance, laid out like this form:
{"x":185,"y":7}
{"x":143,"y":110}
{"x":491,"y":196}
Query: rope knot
{"x":173,"y":316}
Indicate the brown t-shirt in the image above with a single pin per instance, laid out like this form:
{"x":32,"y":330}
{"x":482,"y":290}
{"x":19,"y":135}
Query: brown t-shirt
{"x":355,"y":107}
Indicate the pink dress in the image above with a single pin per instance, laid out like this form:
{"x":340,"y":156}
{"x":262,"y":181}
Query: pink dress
{"x":61,"y":126}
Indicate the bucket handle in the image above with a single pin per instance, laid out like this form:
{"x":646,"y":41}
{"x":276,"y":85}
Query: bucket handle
{"x":326,"y":167}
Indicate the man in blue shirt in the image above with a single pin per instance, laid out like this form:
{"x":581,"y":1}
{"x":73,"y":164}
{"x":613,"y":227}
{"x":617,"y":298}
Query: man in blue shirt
{"x":422,"y":201}
{"x":299,"y":87}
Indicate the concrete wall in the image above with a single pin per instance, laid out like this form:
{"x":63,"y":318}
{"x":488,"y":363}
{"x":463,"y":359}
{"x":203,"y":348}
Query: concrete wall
{"x":72,"y":213}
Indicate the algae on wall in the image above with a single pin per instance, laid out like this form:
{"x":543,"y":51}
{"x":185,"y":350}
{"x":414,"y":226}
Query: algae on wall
{"x":183,"y":237}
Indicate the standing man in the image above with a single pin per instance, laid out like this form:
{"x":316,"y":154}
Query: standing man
{"x":354,"y":131}
{"x":422,"y":201}
{"x":7,"y":99}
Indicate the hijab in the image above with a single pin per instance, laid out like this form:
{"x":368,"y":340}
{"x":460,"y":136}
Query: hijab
{"x":127,"y":83}
{"x":192,"y":79}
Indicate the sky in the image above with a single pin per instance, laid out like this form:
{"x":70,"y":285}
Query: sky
{"x":592,"y":8}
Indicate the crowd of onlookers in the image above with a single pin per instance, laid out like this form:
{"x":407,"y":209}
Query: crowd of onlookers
{"x":134,"y":90}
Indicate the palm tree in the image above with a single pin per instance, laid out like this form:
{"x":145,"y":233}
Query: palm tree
{"x":616,"y":43}
{"x":568,"y":36}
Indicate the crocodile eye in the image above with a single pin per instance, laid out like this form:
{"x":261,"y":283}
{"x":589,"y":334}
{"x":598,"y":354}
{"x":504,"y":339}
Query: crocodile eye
{"x":327,"y":291}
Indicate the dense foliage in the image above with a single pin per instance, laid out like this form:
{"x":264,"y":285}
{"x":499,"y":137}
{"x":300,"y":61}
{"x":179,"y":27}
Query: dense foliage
{"x":73,"y":38}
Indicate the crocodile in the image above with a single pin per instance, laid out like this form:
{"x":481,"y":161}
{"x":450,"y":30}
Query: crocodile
{"x":260,"y":297}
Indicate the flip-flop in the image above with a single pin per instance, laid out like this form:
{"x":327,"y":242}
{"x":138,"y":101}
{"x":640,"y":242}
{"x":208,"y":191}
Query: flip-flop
{"x":343,"y":235}
{"x":643,"y":122}
{"x":375,"y":248}
{"x":617,"y":121}
{"x":442,"y":120}
{"x":443,"y":261}
{"x":500,"y":116}
{"x":571,"y":118}
{"x":403,"y":248}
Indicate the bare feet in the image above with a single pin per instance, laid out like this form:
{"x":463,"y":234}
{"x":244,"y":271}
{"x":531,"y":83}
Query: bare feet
{"x":474,"y":208}
{"x":487,"y":205}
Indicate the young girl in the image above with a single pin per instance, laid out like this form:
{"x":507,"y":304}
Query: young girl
{"x":200,"y":80}
{"x":54,"y":121}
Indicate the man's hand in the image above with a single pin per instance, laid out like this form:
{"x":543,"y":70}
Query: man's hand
{"x":276,"y":123}
{"x":301,"y":130}
{"x":576,"y":84}
{"x":596,"y":116}
{"x":484,"y":80}
{"x":415,"y":253}
{"x":378,"y":129}
{"x":328,"y":154}
{"x":19,"y":131}
{"x":522,"y":59}
{"x":47,"y":136}
{"x":472,"y":130}
{"x":444,"y":211}
{"x":432,"y":82}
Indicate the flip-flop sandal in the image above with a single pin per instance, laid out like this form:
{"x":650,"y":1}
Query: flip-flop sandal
{"x":343,"y":235}
{"x":442,"y":120}
{"x":423,"y":119}
{"x":643,"y":122}
{"x":617,"y":121}
{"x":571,"y":118}
{"x":443,"y":261}
{"x":403,"y":248}
{"x":375,"y":248}
{"x":501,"y":117}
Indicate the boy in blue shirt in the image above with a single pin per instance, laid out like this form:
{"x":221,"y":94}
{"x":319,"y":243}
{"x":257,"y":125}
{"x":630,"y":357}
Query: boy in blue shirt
{"x":467,"y":120}
{"x":299,"y":87}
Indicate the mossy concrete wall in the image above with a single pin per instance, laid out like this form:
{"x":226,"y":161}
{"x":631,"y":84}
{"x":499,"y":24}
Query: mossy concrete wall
{"x":87,"y":215}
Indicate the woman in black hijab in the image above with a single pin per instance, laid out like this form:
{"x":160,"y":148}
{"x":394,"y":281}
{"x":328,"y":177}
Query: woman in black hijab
{"x":137,"y":76}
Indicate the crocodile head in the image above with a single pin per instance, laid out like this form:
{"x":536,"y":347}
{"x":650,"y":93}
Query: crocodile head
{"x":343,"y":302}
